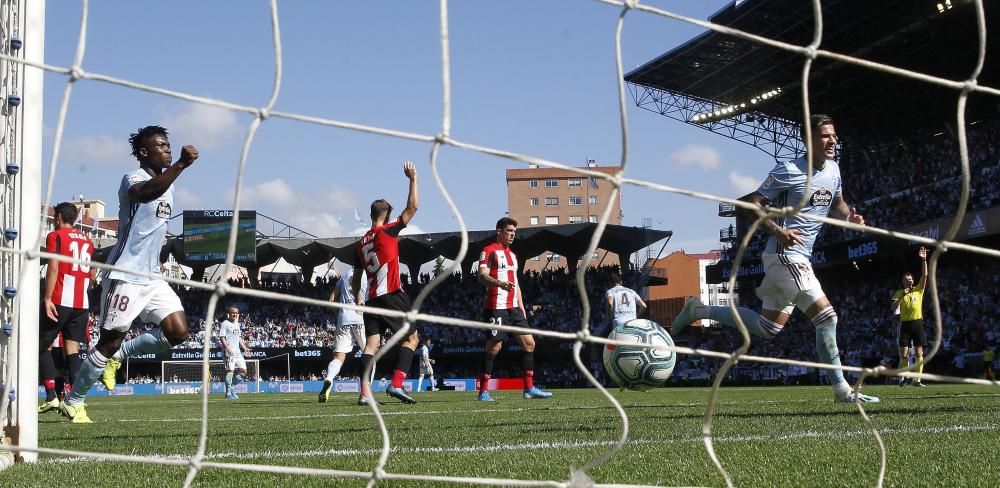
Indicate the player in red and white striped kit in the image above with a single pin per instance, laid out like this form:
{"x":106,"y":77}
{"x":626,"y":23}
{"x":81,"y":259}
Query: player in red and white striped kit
{"x":65,"y":300}
{"x":505,"y":306}
{"x":378,"y":253}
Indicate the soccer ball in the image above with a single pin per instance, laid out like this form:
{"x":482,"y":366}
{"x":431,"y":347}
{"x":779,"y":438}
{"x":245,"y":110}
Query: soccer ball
{"x":638,"y":368}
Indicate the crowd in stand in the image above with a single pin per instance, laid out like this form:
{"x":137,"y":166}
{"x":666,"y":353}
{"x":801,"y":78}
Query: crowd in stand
{"x":969,"y":291}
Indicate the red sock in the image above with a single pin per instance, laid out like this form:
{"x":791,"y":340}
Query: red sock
{"x":484,"y":383}
{"x":50,"y":388}
{"x":397,"y":378}
{"x":529,"y":380}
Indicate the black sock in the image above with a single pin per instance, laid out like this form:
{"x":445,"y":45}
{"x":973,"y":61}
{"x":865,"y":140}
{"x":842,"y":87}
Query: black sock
{"x":74,"y":362}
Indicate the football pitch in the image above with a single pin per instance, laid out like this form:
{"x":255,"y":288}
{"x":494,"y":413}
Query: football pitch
{"x":942,"y":435}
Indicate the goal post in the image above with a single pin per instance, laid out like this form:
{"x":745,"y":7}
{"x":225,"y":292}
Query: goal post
{"x":186,"y":372}
{"x":21,"y":149}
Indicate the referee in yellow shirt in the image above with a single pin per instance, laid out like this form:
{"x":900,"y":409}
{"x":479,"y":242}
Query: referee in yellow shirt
{"x":910,"y":303}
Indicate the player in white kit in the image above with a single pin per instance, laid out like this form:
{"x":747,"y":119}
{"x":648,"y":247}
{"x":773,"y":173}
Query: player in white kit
{"x":350,"y":330}
{"x":231,"y":337}
{"x":145,"y":204}
{"x":426,"y":365}
{"x":623,"y":304}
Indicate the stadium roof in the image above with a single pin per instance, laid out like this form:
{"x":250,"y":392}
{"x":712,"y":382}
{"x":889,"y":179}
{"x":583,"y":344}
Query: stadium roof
{"x":569,"y":240}
{"x":713,"y":70}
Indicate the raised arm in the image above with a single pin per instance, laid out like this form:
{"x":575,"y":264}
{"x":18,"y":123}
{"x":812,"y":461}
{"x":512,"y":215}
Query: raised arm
{"x":410,"y":170}
{"x":923,"y":274}
{"x":150,"y":190}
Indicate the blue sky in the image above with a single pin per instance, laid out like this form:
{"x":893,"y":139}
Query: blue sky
{"x":531,"y":77}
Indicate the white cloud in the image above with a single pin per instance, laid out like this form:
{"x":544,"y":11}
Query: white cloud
{"x":97,"y":149}
{"x":318,"y":224}
{"x":204,"y":126}
{"x":327,"y":213}
{"x":188,"y":199}
{"x":742,"y":184}
{"x":704,"y":157}
{"x":275,"y":192}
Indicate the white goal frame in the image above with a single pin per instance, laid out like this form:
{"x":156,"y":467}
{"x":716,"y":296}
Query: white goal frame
{"x":253,"y":369}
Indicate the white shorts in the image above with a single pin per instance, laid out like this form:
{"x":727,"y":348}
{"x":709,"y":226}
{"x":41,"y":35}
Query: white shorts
{"x":346,"y":336}
{"x":428,"y":371}
{"x":235,"y":362}
{"x":122,"y":302}
{"x":788,"y":283}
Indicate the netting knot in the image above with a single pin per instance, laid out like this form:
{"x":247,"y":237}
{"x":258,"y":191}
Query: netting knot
{"x":582,"y":335}
{"x":411,"y":317}
{"x":263,"y":113}
{"x":221,"y":288}
{"x":970,"y":86}
{"x":811,"y":52}
{"x":75,"y":73}
{"x":579,"y":479}
{"x":441,"y":138}
{"x":31,"y":253}
{"x":630,"y":4}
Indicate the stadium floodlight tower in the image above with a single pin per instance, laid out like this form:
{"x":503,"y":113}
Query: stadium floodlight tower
{"x":21,"y":40}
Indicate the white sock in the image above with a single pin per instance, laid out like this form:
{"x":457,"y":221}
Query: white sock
{"x":333,"y":369}
{"x":420,"y":383}
{"x":148,"y":342}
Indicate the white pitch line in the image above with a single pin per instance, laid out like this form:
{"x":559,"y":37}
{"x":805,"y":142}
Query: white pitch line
{"x":808,"y":434}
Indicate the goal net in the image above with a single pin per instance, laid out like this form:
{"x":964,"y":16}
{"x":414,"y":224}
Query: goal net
{"x":175,"y":373}
{"x":24,"y":254}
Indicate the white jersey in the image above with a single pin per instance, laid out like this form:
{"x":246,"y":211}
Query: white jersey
{"x":786,"y":185}
{"x":624,"y":302}
{"x":142,"y":230}
{"x":230,"y":331}
{"x":348,"y":317}
{"x":424,"y":353}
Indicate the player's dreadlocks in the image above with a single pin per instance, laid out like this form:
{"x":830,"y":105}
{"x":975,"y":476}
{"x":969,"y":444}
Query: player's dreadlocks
{"x":139,"y":138}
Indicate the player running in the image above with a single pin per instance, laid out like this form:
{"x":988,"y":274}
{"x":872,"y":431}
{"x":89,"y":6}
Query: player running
{"x":350,"y":330}
{"x":789,"y":281}
{"x":145,"y":204}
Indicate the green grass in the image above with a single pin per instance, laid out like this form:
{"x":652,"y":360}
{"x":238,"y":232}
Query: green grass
{"x":943,"y":435}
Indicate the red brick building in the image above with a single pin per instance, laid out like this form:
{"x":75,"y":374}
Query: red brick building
{"x":549,"y":196}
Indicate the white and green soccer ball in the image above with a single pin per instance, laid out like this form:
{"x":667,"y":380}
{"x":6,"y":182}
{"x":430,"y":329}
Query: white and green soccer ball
{"x":637,"y":368}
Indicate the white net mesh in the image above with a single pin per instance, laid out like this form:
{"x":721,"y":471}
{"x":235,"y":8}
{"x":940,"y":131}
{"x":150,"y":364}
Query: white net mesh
{"x":197,"y":460}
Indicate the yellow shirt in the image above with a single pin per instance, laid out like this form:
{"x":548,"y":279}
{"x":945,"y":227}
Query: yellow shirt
{"x":912,"y":305}
{"x":988,"y":356}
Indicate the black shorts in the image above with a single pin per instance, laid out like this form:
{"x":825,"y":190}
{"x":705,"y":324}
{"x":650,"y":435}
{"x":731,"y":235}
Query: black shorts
{"x":505,"y":316}
{"x":376,"y":324}
{"x":912,"y":330}
{"x":71,"y":321}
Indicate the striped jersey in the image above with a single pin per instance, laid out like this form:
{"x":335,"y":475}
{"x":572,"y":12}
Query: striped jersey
{"x":378,"y":252}
{"x":230,"y":331}
{"x":502,"y":265}
{"x":785,"y":186}
{"x":348,"y":317}
{"x":142,"y":230}
{"x":625,"y":301}
{"x":73,"y":279}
